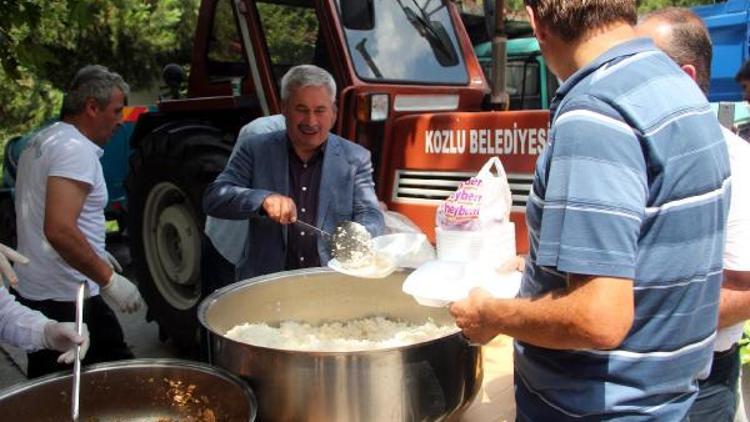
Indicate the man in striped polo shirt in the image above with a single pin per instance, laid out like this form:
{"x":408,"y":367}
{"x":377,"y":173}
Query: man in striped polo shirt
{"x":617,"y":311}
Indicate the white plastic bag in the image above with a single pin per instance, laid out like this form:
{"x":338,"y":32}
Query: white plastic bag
{"x":398,"y":223}
{"x":480,"y":203}
{"x":409,"y":250}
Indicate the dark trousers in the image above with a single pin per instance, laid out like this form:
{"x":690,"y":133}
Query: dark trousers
{"x":216,"y":272}
{"x":107,"y":342}
{"x":717,"y":396}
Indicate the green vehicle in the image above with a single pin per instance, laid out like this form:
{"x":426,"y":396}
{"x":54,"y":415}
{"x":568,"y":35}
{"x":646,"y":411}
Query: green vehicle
{"x":530,"y":83}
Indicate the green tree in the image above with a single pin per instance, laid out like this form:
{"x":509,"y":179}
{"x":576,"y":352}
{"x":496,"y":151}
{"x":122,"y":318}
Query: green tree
{"x":43,"y":43}
{"x":285,"y":46}
{"x":516,"y":7}
{"x":645,"y":6}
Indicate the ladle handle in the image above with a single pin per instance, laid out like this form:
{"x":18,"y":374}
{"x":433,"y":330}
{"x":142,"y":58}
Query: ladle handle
{"x":311,"y":227}
{"x":75,"y":396}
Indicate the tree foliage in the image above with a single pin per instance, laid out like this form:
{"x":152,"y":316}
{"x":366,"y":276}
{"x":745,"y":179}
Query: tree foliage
{"x":645,"y":6}
{"x":516,"y":7}
{"x":289,"y":46}
{"x":43,"y":43}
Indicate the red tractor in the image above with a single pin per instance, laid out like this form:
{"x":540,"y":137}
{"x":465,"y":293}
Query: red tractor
{"x":410,"y":89}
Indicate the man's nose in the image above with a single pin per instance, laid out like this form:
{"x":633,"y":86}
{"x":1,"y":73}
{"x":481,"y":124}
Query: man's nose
{"x":310,"y":119}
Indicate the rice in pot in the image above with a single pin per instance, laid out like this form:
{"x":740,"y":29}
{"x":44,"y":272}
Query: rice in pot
{"x":361,"y":334}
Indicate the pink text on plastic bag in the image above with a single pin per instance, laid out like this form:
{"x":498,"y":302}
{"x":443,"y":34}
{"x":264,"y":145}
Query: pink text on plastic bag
{"x":463,"y":205}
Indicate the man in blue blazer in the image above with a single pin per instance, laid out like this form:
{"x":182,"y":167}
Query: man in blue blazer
{"x":304,"y":172}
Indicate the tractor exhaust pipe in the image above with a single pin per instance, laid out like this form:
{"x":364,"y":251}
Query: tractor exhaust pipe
{"x":499,"y":99}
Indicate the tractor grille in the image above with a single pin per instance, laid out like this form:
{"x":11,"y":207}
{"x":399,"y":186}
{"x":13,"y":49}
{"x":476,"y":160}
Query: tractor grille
{"x":431,"y":187}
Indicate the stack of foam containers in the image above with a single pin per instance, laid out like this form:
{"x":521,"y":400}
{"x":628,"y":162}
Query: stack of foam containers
{"x":489,"y":247}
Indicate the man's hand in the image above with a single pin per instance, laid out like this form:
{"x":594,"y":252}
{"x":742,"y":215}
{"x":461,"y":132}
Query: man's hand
{"x":280,"y":208}
{"x":6,"y":255}
{"x":470,"y":317}
{"x":62,"y":336}
{"x":517,"y":263}
{"x":122,"y":293}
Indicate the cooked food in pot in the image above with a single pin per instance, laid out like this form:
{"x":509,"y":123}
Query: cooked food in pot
{"x":359,"y":334}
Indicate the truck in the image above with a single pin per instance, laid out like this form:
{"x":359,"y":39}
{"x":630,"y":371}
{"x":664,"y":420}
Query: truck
{"x":531,"y":85}
{"x":729,"y":26}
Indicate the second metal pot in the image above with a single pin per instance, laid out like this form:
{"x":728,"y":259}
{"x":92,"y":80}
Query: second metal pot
{"x":424,"y":381}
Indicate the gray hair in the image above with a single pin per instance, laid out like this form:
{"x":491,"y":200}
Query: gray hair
{"x":306,"y":75}
{"x":92,"y":81}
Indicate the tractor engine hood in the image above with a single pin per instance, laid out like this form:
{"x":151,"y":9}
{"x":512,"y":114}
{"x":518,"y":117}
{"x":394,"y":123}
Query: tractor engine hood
{"x":428,"y":155}
{"x":464,"y":141}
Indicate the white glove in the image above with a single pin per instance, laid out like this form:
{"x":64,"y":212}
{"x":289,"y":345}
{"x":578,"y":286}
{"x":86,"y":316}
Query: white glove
{"x":6,"y":269}
{"x":62,"y":336}
{"x":121,"y":293}
{"x":112,"y":262}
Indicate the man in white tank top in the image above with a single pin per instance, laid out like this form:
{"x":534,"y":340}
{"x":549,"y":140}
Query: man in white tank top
{"x":60,"y":200}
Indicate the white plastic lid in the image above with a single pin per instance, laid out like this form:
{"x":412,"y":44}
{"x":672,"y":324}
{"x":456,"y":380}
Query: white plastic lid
{"x":438,"y":283}
{"x":383,"y":266}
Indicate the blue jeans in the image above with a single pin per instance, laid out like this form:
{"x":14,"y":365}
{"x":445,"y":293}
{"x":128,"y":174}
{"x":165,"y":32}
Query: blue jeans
{"x":717,"y":396}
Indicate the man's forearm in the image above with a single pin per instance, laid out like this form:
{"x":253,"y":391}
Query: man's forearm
{"x":224,"y":200}
{"x":76,"y":251}
{"x":736,"y":280}
{"x":582,"y":317}
{"x":734,"y":307}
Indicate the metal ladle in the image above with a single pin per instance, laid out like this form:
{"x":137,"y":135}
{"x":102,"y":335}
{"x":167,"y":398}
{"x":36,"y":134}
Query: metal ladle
{"x":350,"y":243}
{"x":75,"y":396}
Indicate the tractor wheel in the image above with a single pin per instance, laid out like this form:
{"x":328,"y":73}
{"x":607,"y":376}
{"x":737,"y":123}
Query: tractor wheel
{"x":168,"y":174}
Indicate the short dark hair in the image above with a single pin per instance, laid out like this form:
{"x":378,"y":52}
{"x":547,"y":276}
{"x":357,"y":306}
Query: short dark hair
{"x":744,"y":73}
{"x":570,"y":19}
{"x":689,"y":41}
{"x":92,"y":81}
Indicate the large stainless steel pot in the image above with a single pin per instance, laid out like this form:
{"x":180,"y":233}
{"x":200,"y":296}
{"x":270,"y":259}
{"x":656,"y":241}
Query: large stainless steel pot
{"x":424,"y":381}
{"x":140,"y":389}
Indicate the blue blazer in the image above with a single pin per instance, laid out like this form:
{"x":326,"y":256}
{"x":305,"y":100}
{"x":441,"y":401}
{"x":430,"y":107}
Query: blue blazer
{"x":260,"y":167}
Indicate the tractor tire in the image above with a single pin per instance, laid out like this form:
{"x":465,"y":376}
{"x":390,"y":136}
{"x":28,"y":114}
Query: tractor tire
{"x":169,"y":172}
{"x":8,"y":221}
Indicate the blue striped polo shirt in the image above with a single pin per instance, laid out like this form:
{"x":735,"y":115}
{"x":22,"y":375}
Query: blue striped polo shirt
{"x":633,"y":183}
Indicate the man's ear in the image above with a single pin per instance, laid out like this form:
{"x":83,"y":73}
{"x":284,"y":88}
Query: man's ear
{"x":91,"y":107}
{"x":539,"y":33}
{"x":690,"y":70}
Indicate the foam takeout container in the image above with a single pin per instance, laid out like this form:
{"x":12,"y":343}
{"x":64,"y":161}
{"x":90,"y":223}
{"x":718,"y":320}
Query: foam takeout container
{"x":438,"y":282}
